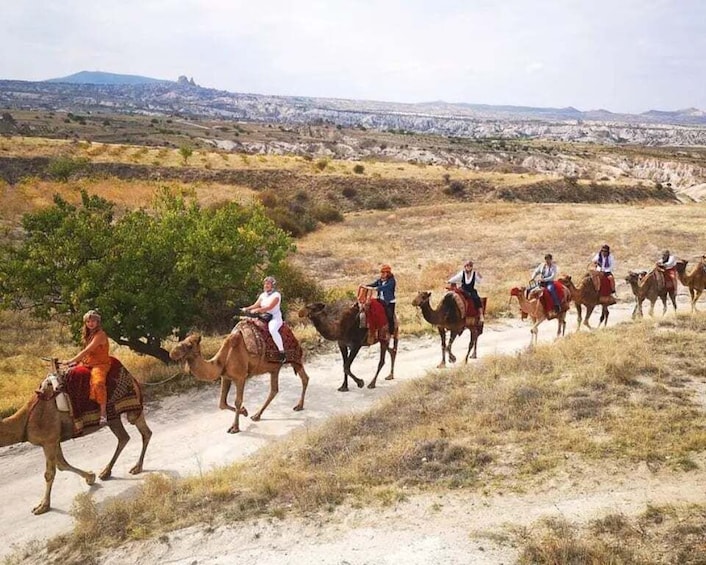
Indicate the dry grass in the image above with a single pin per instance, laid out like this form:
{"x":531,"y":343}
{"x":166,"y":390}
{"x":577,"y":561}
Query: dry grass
{"x":510,"y":424}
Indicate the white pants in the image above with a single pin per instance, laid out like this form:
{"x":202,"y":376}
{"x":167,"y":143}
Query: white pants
{"x":274,"y":325}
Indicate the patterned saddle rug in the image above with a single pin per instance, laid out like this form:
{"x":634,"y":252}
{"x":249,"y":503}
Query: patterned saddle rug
{"x":258,"y":341}
{"x":545,"y":297}
{"x":124,"y":394}
{"x":467,"y":308}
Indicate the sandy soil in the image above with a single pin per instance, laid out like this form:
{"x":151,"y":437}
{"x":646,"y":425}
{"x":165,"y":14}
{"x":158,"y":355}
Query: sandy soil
{"x":190,"y":438}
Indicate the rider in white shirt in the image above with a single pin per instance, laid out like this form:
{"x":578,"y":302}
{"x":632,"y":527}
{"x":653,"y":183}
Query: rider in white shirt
{"x":270,"y":301}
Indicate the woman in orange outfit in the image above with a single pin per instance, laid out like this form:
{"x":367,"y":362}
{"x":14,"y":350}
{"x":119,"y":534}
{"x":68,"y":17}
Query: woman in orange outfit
{"x":95,"y":356}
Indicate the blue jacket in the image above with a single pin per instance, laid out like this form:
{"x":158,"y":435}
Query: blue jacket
{"x":386,"y":289}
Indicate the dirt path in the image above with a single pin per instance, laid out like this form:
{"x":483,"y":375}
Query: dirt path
{"x":190,"y":438}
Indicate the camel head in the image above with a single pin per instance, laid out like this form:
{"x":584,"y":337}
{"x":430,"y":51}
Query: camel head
{"x":634,"y":277}
{"x":187,"y":348}
{"x":681,"y":266}
{"x":421,"y":298}
{"x":312,"y":310}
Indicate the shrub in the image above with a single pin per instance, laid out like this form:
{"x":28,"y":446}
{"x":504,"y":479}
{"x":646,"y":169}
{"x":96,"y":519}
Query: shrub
{"x":359,"y":169}
{"x":62,"y":168}
{"x":455,"y":188}
{"x":321,"y":164}
{"x":326,"y":214}
{"x":349,"y":192}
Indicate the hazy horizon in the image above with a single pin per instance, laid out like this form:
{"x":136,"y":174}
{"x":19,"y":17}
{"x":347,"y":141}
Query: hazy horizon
{"x":624,"y":56}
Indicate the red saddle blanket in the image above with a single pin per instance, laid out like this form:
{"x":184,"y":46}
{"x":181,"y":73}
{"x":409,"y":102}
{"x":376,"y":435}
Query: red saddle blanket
{"x":471,"y":311}
{"x":258,"y":341}
{"x":124,"y":394}
{"x":548,"y":302}
{"x":670,"y":279}
{"x":376,"y":317}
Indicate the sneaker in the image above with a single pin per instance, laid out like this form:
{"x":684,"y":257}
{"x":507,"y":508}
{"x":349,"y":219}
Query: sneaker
{"x":103,"y":421}
{"x":282,"y":357}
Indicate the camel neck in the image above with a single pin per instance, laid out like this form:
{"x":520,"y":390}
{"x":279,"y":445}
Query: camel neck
{"x":13,"y":428}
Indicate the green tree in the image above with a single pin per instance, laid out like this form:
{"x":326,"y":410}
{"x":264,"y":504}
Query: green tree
{"x":152,"y":274}
{"x":186,"y":152}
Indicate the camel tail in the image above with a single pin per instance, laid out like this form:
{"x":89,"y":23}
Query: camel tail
{"x":450,"y":309}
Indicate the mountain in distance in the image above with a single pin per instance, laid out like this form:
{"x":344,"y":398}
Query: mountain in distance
{"x":99,"y":77}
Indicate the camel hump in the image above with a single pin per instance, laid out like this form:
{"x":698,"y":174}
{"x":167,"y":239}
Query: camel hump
{"x":454,"y":306}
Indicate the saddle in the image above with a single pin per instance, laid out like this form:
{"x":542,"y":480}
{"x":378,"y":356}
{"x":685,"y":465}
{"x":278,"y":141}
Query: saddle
{"x":124,"y":394}
{"x":258,"y":341}
{"x":372,"y":315}
{"x":545,"y":297}
{"x":467,"y":308}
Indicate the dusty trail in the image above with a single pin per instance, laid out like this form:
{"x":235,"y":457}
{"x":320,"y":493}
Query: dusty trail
{"x":190,"y":436}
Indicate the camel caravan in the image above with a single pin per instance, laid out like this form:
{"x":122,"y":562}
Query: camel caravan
{"x":65,"y":407}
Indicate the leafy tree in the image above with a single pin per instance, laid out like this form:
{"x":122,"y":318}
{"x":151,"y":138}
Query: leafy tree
{"x":151,"y":274}
{"x":186,"y":152}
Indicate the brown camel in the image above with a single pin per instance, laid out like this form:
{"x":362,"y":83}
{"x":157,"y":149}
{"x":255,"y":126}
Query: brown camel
{"x":448,"y":317}
{"x":645,"y":285}
{"x":695,"y":279}
{"x":234,"y":364}
{"x":534,"y":308}
{"x":42,"y":423}
{"x":586,"y":295}
{"x":340,"y":322}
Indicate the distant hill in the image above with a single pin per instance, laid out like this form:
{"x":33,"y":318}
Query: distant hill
{"x":98,"y":77}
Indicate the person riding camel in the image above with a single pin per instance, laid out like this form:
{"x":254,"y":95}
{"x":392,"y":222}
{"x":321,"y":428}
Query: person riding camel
{"x":604,"y":263}
{"x":666,"y":269}
{"x":466,"y":279}
{"x":270,"y":302}
{"x":545,"y":274}
{"x":385,"y":286}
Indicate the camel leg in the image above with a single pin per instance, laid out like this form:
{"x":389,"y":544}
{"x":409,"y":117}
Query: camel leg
{"x":472,"y":345}
{"x":393,"y":355}
{"x":673,"y":298}
{"x":301,"y":373}
{"x":141,"y":424}
{"x":589,"y":311}
{"x":442,"y":335}
{"x":696,"y":294}
{"x":452,"y":337}
{"x":604,"y":317}
{"x":49,"y":474}
{"x":225,"y":389}
{"x":652,"y":308}
{"x":54,"y":459}
{"x":664,"y":304}
{"x":116,"y":426}
{"x":239,"y":392}
{"x":274,"y":389}
{"x":381,"y":363}
{"x":349,"y":355}
{"x":578,"y":312}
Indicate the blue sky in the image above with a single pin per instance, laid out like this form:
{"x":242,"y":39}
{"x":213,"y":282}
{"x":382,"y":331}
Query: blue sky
{"x":620,"y":55}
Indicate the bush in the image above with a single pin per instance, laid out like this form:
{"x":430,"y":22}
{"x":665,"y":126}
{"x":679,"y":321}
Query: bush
{"x":349,"y":192}
{"x":62,"y":168}
{"x":359,"y":169}
{"x":326,"y":214}
{"x":321,"y":164}
{"x":455,"y":188}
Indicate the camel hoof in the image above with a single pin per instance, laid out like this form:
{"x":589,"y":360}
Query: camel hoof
{"x":40,"y":509}
{"x":371,"y":385}
{"x":343,"y":388}
{"x":441,"y":366}
{"x":136,"y":470}
{"x":243,"y":411}
{"x":255,"y":417}
{"x":389,"y":377}
{"x":360,"y":383}
{"x":298,"y":408}
{"x":233,"y":430}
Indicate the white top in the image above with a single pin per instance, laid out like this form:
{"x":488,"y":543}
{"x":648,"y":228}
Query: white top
{"x":605,"y":264}
{"x":548,"y":273}
{"x":670,"y":263}
{"x":463,"y":276}
{"x":266,"y":301}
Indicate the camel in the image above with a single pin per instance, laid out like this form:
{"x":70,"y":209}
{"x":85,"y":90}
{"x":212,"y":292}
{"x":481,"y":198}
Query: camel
{"x":695,"y":280}
{"x":447,"y":317}
{"x":586,"y":295}
{"x":535,"y":309}
{"x":234,"y":364}
{"x":339,"y":322}
{"x":645,"y":286}
{"x":41,"y":422}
